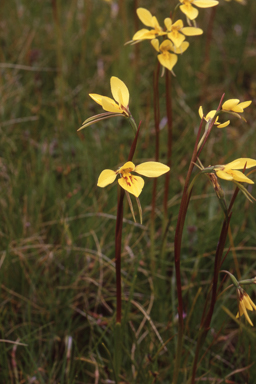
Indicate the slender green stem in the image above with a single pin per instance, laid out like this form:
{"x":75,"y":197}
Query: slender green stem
{"x":133,"y":124}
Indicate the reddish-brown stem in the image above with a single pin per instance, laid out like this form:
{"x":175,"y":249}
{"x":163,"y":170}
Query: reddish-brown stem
{"x":157,"y":131}
{"x":178,"y":239}
{"x":169,"y":140}
{"x":206,"y":320}
{"x":210,"y":128}
{"x":118,"y":245}
{"x":177,"y":250}
{"x":118,"y":239}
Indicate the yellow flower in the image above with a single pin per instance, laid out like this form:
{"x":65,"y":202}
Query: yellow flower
{"x":174,"y":31}
{"x":192,"y":12}
{"x":150,"y":21}
{"x":130,"y":183}
{"x":167,"y":59}
{"x":245,"y":302}
{"x":210,"y":115}
{"x":229,"y":171}
{"x":118,"y":106}
{"x":234,"y":105}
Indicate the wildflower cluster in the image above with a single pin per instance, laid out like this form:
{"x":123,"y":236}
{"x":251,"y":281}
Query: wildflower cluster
{"x":174,"y":32}
{"x":170,"y":41}
{"x":244,"y":301}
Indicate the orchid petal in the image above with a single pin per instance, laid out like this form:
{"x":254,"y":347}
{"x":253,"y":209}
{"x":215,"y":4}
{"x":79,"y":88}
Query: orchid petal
{"x":223,"y":125}
{"x":117,"y":87}
{"x":230,"y":104}
{"x":96,"y":98}
{"x":240,"y":163}
{"x":176,"y":37}
{"x":110,"y":106}
{"x":168,"y":60}
{"x":106,"y":177}
{"x":151,"y":169}
{"x":192,"y":31}
{"x":155,"y":44}
{"x":145,"y":16}
{"x":245,"y":104}
{"x":179,"y":50}
{"x":205,"y":3}
{"x":168,"y":23}
{"x":166,"y":45}
{"x":240,"y":176}
{"x":224,"y":175}
{"x":132,"y":184}
{"x":200,"y":111}
{"x":189,"y":11}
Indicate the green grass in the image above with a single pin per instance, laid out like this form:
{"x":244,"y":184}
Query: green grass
{"x":57,"y":227}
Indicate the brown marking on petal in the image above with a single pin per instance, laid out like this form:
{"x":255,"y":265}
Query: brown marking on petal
{"x":126,"y":179}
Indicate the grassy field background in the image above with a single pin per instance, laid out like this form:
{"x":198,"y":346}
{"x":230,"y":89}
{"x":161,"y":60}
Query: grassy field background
{"x":57,"y":227}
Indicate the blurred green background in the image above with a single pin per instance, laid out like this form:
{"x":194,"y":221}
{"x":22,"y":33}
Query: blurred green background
{"x":57,"y":227}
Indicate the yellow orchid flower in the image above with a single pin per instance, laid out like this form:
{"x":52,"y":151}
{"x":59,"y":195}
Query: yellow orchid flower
{"x":229,"y":171}
{"x":234,"y":105}
{"x":167,"y":59}
{"x":192,"y":12}
{"x":210,"y":115}
{"x":130,"y":183}
{"x":176,"y":31}
{"x":245,"y":302}
{"x":150,"y":21}
{"x":118,"y":106}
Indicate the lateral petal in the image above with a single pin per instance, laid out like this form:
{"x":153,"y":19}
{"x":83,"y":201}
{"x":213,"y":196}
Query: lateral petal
{"x":230,"y":104}
{"x":223,"y":125}
{"x":155,"y":44}
{"x":245,"y":104}
{"x":189,"y":11}
{"x":240,"y":163}
{"x":179,"y":50}
{"x":132,"y":184}
{"x":146,"y":35}
{"x":110,"y":105}
{"x":106,"y":177}
{"x":96,"y":98}
{"x":140,"y":35}
{"x":118,"y":86}
{"x":205,"y":3}
{"x":200,"y":111}
{"x":247,"y":302}
{"x":151,"y":169}
{"x":145,"y":16}
{"x":245,"y":313}
{"x":224,"y":175}
{"x":192,"y":31}
{"x":240,"y":176}
{"x":168,"y":23}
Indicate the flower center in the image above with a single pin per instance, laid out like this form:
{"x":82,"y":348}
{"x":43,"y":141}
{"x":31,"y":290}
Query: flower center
{"x":127,"y":176}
